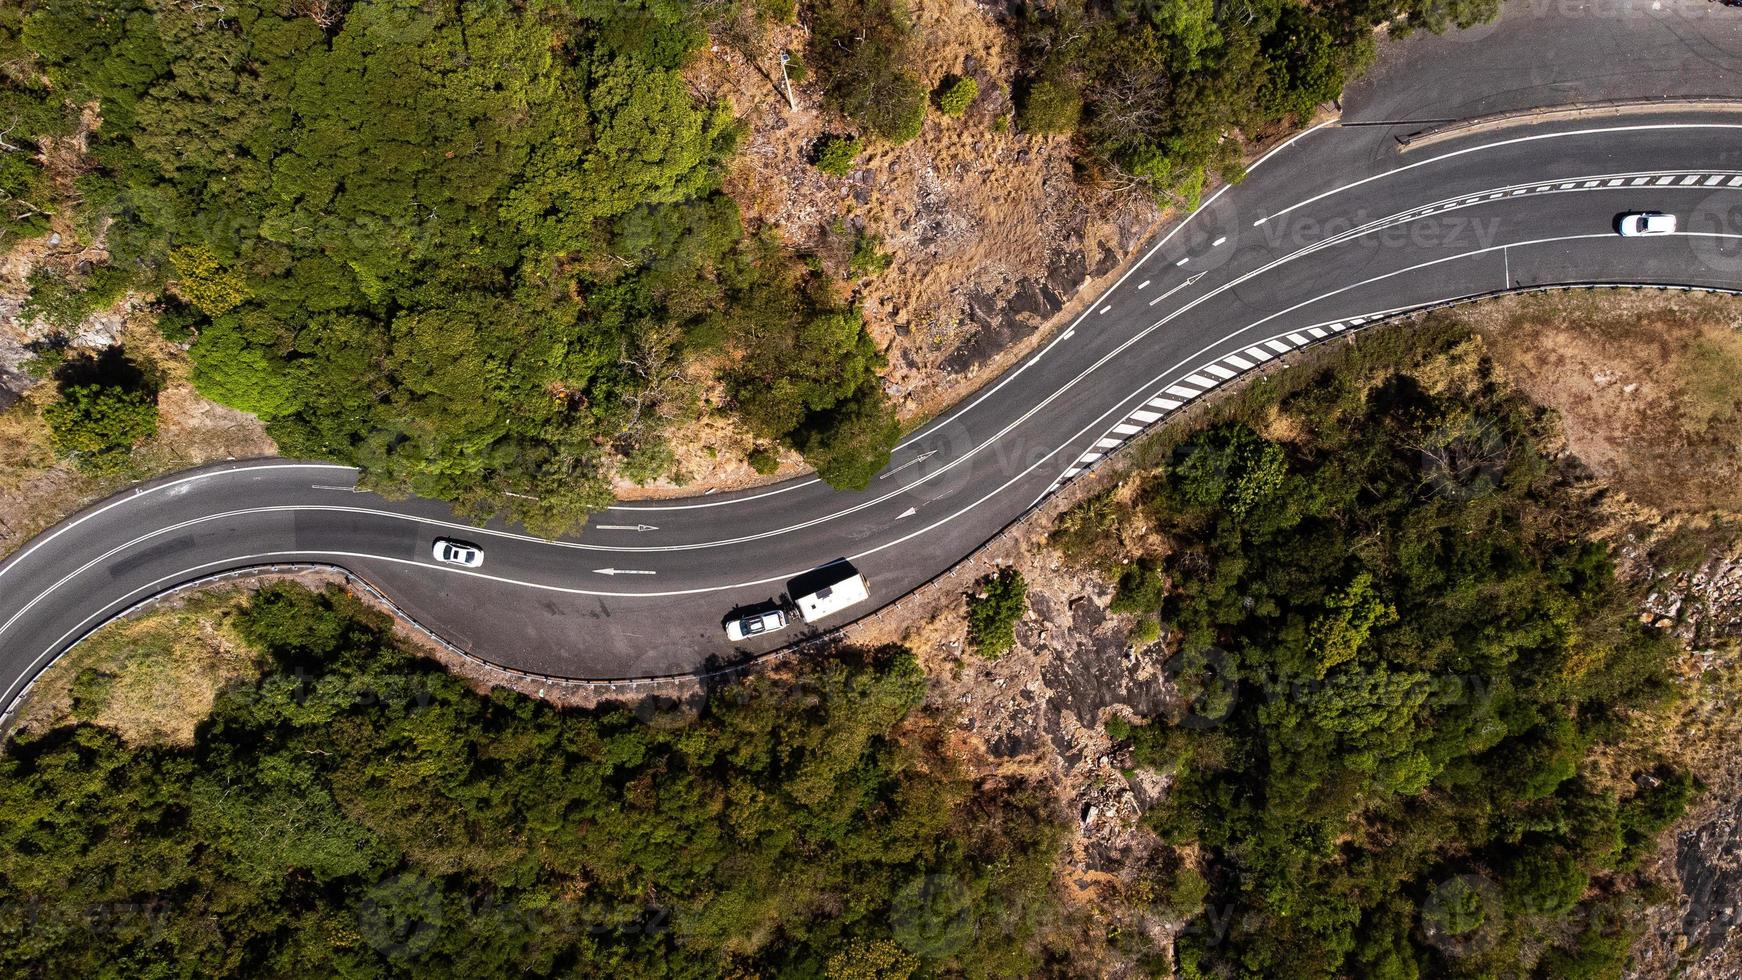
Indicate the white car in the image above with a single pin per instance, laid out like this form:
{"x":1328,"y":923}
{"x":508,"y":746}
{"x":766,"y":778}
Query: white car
{"x":1635,"y":224}
{"x":451,"y":552}
{"x":755,"y":624}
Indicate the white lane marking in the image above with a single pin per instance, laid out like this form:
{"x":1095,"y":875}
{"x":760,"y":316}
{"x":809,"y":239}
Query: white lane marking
{"x":1104,"y":309}
{"x":1258,"y":355}
{"x":909,"y":512}
{"x":1219,"y":371}
{"x":1108,"y":443}
{"x":1485,"y":147}
{"x":1088,"y":457}
{"x":1144,"y":416}
{"x":1165,"y":404}
{"x":172,"y":488}
{"x":1127,"y":429}
{"x":1182,"y":261}
{"x":1714,"y":179}
{"x":1218,"y":241}
{"x":624,"y":527}
{"x":624,"y":571}
{"x":1143,"y":285}
{"x":1733,"y":181}
{"x":1200,"y":381}
{"x":1010,"y":376}
{"x":1277,"y":346}
{"x":922,"y":457}
{"x":1183,"y":392}
{"x":1665,"y":180}
{"x":1297,"y":339}
{"x":1317,"y":333}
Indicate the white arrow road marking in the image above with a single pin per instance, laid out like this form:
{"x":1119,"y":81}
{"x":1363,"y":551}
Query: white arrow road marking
{"x":625,"y":527}
{"x":1646,"y":127}
{"x":1177,"y":288}
{"x":1011,"y":376}
{"x":625,"y":571}
{"x":909,"y":512}
{"x":922,"y":457}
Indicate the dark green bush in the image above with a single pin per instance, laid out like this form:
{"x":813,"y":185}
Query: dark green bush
{"x":998,"y":602}
{"x":763,"y":460}
{"x":1048,"y":108}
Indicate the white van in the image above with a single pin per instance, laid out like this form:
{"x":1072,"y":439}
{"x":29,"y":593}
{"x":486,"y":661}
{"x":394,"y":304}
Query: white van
{"x":829,"y":599}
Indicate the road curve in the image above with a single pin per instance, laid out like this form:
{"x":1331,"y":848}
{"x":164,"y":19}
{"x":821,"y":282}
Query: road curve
{"x":1332,"y":231}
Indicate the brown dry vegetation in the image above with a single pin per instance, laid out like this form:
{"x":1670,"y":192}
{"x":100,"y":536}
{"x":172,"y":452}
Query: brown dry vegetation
{"x":1648,"y":386}
{"x":151,"y":679}
{"x":975,"y":216}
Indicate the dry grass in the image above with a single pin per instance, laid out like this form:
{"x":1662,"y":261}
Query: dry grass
{"x":1648,"y":386}
{"x":151,"y":679}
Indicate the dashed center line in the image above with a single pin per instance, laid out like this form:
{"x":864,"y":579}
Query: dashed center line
{"x":1183,"y":261}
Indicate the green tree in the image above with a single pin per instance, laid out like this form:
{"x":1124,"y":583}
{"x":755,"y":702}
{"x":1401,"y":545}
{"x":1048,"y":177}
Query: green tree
{"x":98,"y":425}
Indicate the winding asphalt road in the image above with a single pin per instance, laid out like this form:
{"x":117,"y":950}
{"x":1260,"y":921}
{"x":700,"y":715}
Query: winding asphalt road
{"x":1330,"y":231}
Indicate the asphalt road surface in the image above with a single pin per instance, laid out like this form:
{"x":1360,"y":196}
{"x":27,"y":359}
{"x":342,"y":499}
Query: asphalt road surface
{"x":1329,"y":232}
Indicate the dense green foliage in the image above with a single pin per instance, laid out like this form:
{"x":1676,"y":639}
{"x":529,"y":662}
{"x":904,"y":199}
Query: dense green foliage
{"x":835,"y":154}
{"x":955,"y":94}
{"x":1399,"y":655}
{"x":467,"y":247}
{"x":106,"y":407}
{"x":998,"y":601}
{"x":863,"y":53}
{"x":1155,"y":88}
{"x":357,"y":811}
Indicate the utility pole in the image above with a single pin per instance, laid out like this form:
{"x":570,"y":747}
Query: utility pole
{"x":786,"y":56}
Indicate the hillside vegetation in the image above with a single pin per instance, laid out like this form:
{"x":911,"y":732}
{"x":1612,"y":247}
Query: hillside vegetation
{"x":481,"y":251}
{"x":1409,"y":678}
{"x":351,"y":810}
{"x":469,"y":248}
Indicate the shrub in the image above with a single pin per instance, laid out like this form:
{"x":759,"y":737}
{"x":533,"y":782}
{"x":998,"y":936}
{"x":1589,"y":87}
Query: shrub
{"x":1146,"y":632}
{"x":899,"y":114}
{"x":763,"y":460}
{"x":98,"y":424}
{"x":835,"y":154}
{"x":868,"y":259}
{"x":955,"y":94}
{"x":993,"y":610}
{"x":1141,"y":589}
{"x":646,"y":461}
{"x":1048,"y":108}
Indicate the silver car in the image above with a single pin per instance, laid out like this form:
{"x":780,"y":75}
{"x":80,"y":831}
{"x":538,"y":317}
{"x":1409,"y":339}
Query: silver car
{"x":755,"y":624}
